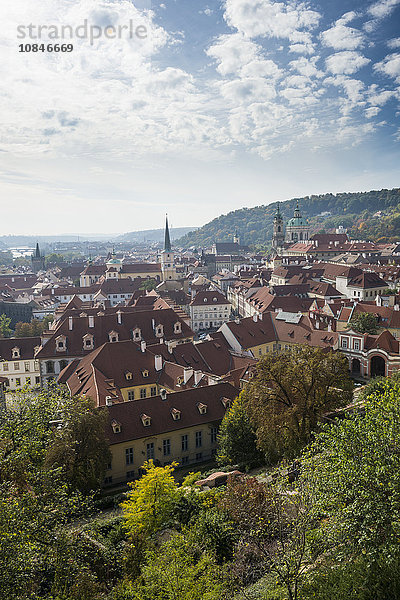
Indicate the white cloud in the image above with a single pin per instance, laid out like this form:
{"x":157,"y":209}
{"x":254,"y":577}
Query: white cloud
{"x":382,"y":8}
{"x":342,"y":37}
{"x":390,"y":66}
{"x":346,"y":62}
{"x":372,"y":112}
{"x":306,"y":66}
{"x":394,"y":43}
{"x":267,"y":18}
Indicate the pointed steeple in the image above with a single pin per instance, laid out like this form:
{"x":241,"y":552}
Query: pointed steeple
{"x":297,"y":210}
{"x":37,"y":251}
{"x":278,"y":211}
{"x":167,"y":241}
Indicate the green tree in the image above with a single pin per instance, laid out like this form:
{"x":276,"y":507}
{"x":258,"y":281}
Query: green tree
{"x":364,"y":323}
{"x":236,"y":437}
{"x":354,"y":466}
{"x":5,"y":329}
{"x":291,"y":393}
{"x":79,"y":447}
{"x":178,"y":570}
{"x":150,"y":501}
{"x":148,"y":285}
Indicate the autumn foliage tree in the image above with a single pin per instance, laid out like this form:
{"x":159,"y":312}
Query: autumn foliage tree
{"x":291,"y":393}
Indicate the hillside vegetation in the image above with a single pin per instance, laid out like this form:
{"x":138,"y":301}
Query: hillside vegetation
{"x":355,"y":211}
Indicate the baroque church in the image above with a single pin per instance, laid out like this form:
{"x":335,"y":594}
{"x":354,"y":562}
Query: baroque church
{"x":297,"y":229}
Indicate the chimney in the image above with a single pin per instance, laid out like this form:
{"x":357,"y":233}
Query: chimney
{"x":187,"y":373}
{"x":396,"y":307}
{"x":170,"y":347}
{"x":197,"y":376}
{"x":153,"y":323}
{"x":163,"y":394}
{"x":143,"y":346}
{"x":70,"y":323}
{"x":91,"y":321}
{"x":329,"y":327}
{"x":158,"y":362}
{"x":119,"y":317}
{"x":260,"y":317}
{"x":255,"y":317}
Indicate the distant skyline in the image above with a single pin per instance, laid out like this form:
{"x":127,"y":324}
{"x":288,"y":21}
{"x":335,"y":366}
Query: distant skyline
{"x":225,"y":104}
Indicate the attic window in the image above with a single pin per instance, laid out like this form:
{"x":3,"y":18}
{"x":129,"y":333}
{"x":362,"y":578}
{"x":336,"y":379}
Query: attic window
{"x":116,"y":427}
{"x":61,"y":343}
{"x":177,"y":327}
{"x":159,"y":331}
{"x":113,"y":336}
{"x":179,"y":381}
{"x":145,"y":373}
{"x":137,"y":334}
{"x":128,"y":375}
{"x":176,"y":414}
{"x":202,"y":408}
{"x":88,"y":342}
{"x":205,"y":299}
{"x":16,"y":353}
{"x":146,"y":420}
{"x":227,"y":402}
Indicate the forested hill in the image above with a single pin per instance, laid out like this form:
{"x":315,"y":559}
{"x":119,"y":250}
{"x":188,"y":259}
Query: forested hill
{"x":355,"y":211}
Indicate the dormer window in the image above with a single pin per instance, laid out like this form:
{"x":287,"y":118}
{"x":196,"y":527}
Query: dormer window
{"x":179,"y":381}
{"x":145,"y":373}
{"x":61,"y":343}
{"x":16,"y":353}
{"x":146,"y":420}
{"x":202,"y":408}
{"x":159,"y":331}
{"x":176,"y":414}
{"x":113,"y":336}
{"x":178,"y":327}
{"x":88,"y":342}
{"x":227,"y":402}
{"x":116,"y":427}
{"x":128,"y":375}
{"x":137,"y":334}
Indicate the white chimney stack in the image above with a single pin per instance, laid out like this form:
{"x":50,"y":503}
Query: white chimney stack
{"x":158,"y":362}
{"x":255,"y":317}
{"x":187,"y":373}
{"x":91,"y":321}
{"x":143,"y":346}
{"x":70,"y":323}
{"x":197,"y":376}
{"x":119,"y":317}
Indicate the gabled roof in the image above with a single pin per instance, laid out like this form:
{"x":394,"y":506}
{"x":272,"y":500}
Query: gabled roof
{"x":26,"y":347}
{"x":209,"y":298}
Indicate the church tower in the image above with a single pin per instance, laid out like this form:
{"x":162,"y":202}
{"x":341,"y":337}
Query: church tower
{"x":297,"y":228}
{"x":278,"y":235}
{"x":167,"y":257}
{"x":37,"y":260}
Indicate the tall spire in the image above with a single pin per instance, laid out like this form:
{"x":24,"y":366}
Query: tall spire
{"x":37,"y":253}
{"x":278,"y":211}
{"x":167,"y":241}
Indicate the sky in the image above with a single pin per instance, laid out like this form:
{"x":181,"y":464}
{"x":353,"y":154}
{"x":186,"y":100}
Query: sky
{"x":194,"y":109}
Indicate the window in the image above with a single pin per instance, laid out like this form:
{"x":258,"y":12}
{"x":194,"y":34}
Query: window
{"x":199,"y":456}
{"x":131,"y":394}
{"x":129,"y":456}
{"x":37,"y":380}
{"x":214,"y":433}
{"x":108,"y":480}
{"x":143,"y":392}
{"x":167,"y":447}
{"x":184,"y":442}
{"x":199,"y":439}
{"x":185,"y":460}
{"x":150,"y":450}
{"x":356,"y":344}
{"x":153,"y":391}
{"x":50,"y":366}
{"x":26,"y":365}
{"x":344,"y":342}
{"x":16,"y":366}
{"x":5,"y":367}
{"x":28,"y":380}
{"x":17,"y":381}
{"x":130,"y":475}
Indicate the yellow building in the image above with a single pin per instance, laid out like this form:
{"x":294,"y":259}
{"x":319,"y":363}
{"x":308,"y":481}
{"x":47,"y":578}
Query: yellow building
{"x":181,"y":427}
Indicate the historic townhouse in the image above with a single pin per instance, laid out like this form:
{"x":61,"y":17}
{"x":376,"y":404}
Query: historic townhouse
{"x":19,"y":365}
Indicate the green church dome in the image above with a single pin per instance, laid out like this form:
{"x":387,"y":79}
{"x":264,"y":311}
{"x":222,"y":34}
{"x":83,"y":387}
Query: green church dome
{"x":297,"y":222}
